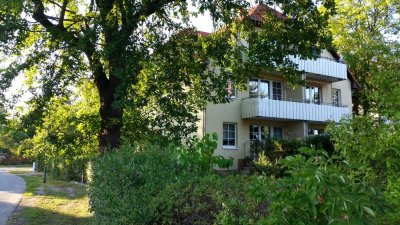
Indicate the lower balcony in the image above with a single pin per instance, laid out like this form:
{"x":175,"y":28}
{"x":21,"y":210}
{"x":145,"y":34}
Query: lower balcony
{"x":292,"y":110}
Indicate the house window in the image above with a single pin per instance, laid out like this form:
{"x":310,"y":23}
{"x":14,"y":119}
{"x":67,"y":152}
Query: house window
{"x":277,"y":90}
{"x":229,"y":135}
{"x":231,"y":89}
{"x":261,"y":88}
{"x":258,"y":132}
{"x":314,"y":131}
{"x":277,"y":132}
{"x":313,"y":95}
{"x":336,"y":97}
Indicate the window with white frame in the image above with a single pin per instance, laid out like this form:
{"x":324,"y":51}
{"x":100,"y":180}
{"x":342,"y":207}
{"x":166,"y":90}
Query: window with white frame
{"x":313,"y":95}
{"x":261,"y":88}
{"x":229,"y":135}
{"x":315,"y":131}
{"x":277,"y":132}
{"x":336,"y":97}
{"x":277,"y":90}
{"x":260,"y":132}
{"x":231,"y":89}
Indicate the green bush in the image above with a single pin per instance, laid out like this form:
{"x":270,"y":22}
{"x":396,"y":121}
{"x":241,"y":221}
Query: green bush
{"x":127,"y":185}
{"x":373,"y":144}
{"x":276,"y":149}
{"x":125,"y":182}
{"x":322,"y":141}
{"x":213,"y":199}
{"x":319,"y":190}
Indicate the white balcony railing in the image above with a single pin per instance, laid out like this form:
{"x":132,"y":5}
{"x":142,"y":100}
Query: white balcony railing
{"x":268,"y":108}
{"x":322,"y":66}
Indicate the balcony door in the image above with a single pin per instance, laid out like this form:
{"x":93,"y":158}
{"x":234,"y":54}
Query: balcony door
{"x":313,"y":95}
{"x":261,"y":88}
{"x":260,"y":132}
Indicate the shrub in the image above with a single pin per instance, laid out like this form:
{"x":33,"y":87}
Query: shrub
{"x":128,"y":185}
{"x":125,"y":182}
{"x":322,"y":141}
{"x":373,"y":143}
{"x":213,"y":199}
{"x":319,"y":190}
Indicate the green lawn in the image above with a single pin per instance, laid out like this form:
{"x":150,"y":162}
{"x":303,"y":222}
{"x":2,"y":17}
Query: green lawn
{"x":18,"y":166}
{"x":53,"y":203}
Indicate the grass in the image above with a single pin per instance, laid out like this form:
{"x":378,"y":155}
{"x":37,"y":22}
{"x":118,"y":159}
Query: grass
{"x":53,"y":203}
{"x":17,"y":166}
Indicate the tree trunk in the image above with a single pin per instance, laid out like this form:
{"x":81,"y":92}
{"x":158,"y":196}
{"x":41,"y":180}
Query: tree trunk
{"x":109,"y":135}
{"x":111,"y":118}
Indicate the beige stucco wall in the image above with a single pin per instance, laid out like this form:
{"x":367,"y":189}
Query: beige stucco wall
{"x":296,"y":129}
{"x":216,"y":115}
{"x":212,"y":119}
{"x":345,"y":87}
{"x":294,"y":94}
{"x":326,"y":89}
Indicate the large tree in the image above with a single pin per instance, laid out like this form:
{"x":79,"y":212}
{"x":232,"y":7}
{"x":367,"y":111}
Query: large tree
{"x":366,"y":34}
{"x":145,"y":57}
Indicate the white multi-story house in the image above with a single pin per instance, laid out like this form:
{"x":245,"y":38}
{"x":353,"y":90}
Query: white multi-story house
{"x":270,"y":107}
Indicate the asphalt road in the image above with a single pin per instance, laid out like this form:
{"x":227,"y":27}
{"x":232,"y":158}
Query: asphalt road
{"x":11,"y":189}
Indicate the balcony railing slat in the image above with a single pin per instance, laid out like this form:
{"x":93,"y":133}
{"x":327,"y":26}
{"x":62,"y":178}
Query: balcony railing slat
{"x":269,"y":108}
{"x":322,"y":66}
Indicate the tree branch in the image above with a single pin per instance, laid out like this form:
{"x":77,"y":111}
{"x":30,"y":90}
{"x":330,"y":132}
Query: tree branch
{"x":55,"y":3}
{"x":59,"y":32}
{"x":145,"y":11}
{"x":40,"y":17}
{"x":62,"y":14}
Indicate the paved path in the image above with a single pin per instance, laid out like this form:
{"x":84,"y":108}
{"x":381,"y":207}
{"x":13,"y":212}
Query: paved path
{"x":11,"y":189}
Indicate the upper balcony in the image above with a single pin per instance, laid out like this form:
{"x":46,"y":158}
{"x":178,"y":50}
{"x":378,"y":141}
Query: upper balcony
{"x":322,"y":68}
{"x":291,"y":110}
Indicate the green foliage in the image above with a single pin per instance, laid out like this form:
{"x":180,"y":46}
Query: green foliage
{"x":212,"y":199}
{"x":363,"y":32}
{"x":276,"y":149}
{"x":125,"y":182}
{"x":130,"y":50}
{"x":67,"y":139}
{"x":199,"y":158}
{"x":321,"y":142}
{"x":153,"y":184}
{"x":319,"y":190}
{"x":11,"y":140}
{"x":374,"y":145}
{"x":270,"y":151}
{"x":386,"y":94}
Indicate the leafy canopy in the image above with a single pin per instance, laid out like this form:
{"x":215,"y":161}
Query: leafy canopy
{"x":146,"y":59}
{"x":366,"y":34}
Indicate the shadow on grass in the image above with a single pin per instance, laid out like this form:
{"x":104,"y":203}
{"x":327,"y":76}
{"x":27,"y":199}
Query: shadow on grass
{"x":53,"y":188}
{"x":38,"y":216}
{"x":51,"y":203}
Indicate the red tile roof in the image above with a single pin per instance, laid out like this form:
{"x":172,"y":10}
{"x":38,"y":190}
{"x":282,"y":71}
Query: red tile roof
{"x":259,"y":10}
{"x":203,"y":33}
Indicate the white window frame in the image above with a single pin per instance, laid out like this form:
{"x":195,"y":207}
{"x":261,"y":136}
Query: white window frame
{"x":270,"y":131}
{"x":336,"y":93}
{"x":229,"y":138}
{"x":231,"y":89}
{"x":270,"y":83}
{"x":311,"y":100}
{"x":259,"y":131}
{"x":272,"y":90}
